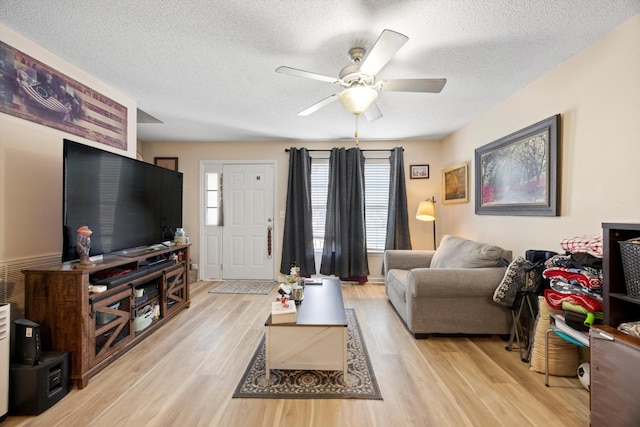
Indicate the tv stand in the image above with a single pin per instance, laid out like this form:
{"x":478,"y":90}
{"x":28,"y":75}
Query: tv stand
{"x":97,"y":328}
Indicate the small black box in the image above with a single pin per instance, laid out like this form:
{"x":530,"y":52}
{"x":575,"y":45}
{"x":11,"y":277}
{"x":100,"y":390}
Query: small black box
{"x":34,"y":389}
{"x":27,"y":343}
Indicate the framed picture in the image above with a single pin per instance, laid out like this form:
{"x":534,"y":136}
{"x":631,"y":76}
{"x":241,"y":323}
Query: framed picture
{"x":419,"y":171}
{"x":166,"y":162}
{"x":455,"y":183}
{"x":35,"y":91}
{"x":519,"y":174}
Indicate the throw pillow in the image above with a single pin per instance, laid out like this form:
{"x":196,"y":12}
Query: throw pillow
{"x":564,"y":357}
{"x":458,"y":252}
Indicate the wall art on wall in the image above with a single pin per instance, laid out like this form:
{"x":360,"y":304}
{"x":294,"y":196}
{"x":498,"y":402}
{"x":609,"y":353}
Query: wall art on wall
{"x":455,"y":183}
{"x":419,"y":172}
{"x":36,"y":92}
{"x":519,"y":173}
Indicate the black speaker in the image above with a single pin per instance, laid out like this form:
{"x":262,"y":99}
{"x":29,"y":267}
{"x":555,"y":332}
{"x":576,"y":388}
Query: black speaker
{"x":34,"y":389}
{"x":27,"y":343}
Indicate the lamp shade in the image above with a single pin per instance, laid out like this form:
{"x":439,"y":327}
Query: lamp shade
{"x":426,"y":211}
{"x":358,"y":98}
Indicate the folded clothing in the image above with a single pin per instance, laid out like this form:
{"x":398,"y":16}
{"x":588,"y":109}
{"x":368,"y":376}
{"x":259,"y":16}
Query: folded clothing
{"x":585,"y":262}
{"x":555,"y":299}
{"x":573,"y":275}
{"x":572,"y":288}
{"x":585,"y":243}
{"x":587,"y":318}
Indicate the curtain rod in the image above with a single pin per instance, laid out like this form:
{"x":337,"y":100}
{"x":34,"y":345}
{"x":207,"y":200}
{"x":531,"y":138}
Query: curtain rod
{"x":286,"y":150}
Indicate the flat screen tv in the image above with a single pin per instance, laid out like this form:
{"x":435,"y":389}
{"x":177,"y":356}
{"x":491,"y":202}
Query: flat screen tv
{"x":126,"y":203}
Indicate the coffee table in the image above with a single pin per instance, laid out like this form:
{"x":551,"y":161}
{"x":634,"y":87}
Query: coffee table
{"x":318,"y":339}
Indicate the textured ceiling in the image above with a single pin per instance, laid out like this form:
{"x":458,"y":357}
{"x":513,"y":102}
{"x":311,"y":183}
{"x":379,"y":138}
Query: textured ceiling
{"x":206,"y":68}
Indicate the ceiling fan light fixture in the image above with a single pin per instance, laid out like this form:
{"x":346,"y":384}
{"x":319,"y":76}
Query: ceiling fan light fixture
{"x":358,"y":98}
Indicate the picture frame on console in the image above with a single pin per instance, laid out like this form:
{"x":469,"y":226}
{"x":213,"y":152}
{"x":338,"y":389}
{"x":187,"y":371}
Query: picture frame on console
{"x":519,"y":173}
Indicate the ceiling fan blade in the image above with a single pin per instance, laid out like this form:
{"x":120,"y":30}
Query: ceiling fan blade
{"x":412,"y":85}
{"x":383,"y":50}
{"x":373,"y":112}
{"x":318,"y":105}
{"x":306,"y":74}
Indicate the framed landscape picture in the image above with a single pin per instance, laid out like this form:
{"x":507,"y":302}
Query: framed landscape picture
{"x":419,"y":171}
{"x":518,"y":174}
{"x":455,"y":183}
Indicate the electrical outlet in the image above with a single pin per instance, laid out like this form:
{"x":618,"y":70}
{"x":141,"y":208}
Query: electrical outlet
{"x":194,"y":266}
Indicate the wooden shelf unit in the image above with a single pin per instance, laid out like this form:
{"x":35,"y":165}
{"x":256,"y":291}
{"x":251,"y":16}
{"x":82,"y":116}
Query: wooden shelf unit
{"x":618,"y":307}
{"x":615,"y":355}
{"x":97,"y":328}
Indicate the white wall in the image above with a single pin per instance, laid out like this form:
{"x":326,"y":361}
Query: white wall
{"x":597,"y":92}
{"x":31,"y":166}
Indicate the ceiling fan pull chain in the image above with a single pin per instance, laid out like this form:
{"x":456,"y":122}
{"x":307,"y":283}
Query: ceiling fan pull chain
{"x":356,"y":132}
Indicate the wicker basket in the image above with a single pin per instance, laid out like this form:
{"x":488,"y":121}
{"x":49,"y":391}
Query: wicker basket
{"x":630,"y":253}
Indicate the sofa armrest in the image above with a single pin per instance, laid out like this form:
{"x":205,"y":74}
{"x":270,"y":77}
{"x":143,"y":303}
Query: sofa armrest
{"x":404,"y":259}
{"x":453,"y":282}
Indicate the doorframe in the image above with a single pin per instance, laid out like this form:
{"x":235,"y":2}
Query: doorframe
{"x":201,"y":214}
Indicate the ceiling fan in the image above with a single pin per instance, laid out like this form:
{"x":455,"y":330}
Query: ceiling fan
{"x":359,"y":80}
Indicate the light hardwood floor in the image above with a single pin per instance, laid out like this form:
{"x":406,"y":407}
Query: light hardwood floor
{"x":185,"y":373}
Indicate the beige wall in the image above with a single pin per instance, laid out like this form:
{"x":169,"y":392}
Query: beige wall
{"x":190,"y":155}
{"x":31,"y":166}
{"x":597,"y":92}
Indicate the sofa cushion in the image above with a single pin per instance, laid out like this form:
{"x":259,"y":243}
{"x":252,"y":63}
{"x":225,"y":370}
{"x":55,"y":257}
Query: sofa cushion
{"x":458,"y":252}
{"x":396,"y":284}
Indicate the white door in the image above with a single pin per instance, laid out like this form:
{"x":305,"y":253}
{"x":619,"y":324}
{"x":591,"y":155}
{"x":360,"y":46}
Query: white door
{"x":248,"y":234}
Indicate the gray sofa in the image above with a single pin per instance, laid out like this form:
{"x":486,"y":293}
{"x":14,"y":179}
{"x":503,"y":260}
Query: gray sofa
{"x":449,"y":290}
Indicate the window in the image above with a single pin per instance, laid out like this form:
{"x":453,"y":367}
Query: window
{"x":376,"y":196}
{"x":212,"y":216}
{"x":376,"y":184}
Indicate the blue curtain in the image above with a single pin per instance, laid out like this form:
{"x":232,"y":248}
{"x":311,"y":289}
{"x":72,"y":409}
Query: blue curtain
{"x":345,"y":244}
{"x":398,"y":236}
{"x":297,"y":242}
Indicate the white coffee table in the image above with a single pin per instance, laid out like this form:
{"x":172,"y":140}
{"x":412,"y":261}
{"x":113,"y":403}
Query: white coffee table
{"x":318,"y":340}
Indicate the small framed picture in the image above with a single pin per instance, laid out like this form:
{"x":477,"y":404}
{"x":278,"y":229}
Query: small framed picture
{"x":166,"y":162}
{"x":419,"y":171}
{"x":455,"y":183}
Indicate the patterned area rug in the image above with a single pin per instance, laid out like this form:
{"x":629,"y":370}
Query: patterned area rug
{"x":292,"y":384}
{"x":244,"y":287}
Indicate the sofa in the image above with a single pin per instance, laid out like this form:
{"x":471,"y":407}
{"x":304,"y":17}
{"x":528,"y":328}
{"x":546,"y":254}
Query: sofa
{"x":449,"y":290}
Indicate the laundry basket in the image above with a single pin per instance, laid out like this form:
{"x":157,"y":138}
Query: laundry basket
{"x":630,"y":254}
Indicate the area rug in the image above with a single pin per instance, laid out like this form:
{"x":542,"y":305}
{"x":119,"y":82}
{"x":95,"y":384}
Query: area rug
{"x":293,"y":384}
{"x":244,"y":287}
